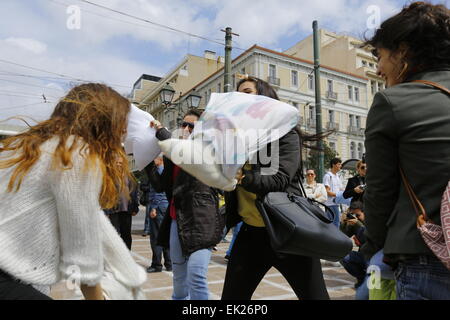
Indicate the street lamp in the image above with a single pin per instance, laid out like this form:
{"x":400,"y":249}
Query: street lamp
{"x":192,"y":100}
{"x":166,"y":94}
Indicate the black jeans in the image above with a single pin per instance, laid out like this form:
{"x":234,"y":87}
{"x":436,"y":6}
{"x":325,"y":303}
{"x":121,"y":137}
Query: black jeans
{"x":11,"y":289}
{"x":252,"y":256}
{"x":122,"y":222}
{"x":158,"y":251}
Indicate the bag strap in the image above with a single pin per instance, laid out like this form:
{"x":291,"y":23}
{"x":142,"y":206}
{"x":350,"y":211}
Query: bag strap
{"x":418,"y":207}
{"x":433,"y":84}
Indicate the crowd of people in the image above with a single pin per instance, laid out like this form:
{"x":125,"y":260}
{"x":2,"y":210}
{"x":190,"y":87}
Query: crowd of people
{"x":68,"y":196}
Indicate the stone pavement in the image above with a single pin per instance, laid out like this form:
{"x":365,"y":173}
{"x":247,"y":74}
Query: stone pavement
{"x":273,"y":287}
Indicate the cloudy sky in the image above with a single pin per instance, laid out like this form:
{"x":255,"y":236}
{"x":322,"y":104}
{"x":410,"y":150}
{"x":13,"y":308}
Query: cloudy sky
{"x":45,"y":48}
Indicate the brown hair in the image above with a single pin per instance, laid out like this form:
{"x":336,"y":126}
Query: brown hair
{"x":359,"y":164}
{"x":96,"y":115}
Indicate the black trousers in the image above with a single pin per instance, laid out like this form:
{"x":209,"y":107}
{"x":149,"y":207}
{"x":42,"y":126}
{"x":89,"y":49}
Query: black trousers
{"x":122,"y":222}
{"x":157,"y":251}
{"x":11,"y":289}
{"x":252,"y":257}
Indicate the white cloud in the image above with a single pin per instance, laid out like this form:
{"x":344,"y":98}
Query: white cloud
{"x":265,"y":22}
{"x":32,"y":45}
{"x":40,"y":37}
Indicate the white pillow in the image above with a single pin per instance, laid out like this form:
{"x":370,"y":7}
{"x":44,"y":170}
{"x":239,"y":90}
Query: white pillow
{"x":140,"y":139}
{"x":197,"y":158}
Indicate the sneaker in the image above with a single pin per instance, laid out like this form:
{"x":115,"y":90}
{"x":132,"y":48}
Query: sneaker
{"x":152,"y":269}
{"x":227,"y":257}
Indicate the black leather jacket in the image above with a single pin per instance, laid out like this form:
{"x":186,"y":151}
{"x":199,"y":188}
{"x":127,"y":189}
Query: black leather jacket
{"x":200,"y":224}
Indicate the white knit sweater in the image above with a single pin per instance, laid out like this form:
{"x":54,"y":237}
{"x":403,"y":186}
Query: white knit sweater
{"x":54,"y":225}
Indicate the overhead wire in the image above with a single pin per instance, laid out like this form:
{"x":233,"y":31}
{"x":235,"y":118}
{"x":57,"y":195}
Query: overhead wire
{"x":156,"y":23}
{"x":55,"y":73}
{"x":25,"y":105}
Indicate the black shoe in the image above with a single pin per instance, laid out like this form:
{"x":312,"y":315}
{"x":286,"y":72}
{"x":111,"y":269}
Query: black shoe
{"x":227,"y":257}
{"x":152,"y":269}
{"x":168,"y":268}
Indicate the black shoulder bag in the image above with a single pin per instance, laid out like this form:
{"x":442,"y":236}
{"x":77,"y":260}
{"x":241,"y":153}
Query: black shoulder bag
{"x":297,"y":225}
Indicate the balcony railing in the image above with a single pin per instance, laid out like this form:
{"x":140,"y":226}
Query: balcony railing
{"x":274,"y":81}
{"x":356,"y":131}
{"x":311,"y":123}
{"x":332,"y":126}
{"x":331,"y":95}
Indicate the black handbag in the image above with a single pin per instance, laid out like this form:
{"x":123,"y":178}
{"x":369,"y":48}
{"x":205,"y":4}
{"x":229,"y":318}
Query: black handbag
{"x":297,"y":225}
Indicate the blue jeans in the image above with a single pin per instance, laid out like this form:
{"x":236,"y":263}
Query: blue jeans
{"x":189,"y":272}
{"x":355,"y":264}
{"x":337,"y":215}
{"x":422,"y":278}
{"x":147,"y":220}
{"x":235,"y":233}
{"x":362,"y":292}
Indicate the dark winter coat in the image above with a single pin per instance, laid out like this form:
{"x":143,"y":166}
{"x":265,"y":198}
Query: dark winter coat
{"x":200,"y":224}
{"x":409,"y":126}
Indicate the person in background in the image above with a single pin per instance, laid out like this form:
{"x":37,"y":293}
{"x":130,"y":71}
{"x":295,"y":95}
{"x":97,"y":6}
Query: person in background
{"x":354,"y":263}
{"x":128,"y":206}
{"x":54,"y":179}
{"x":333,"y":185}
{"x":408,"y":127}
{"x":143,"y":200}
{"x":236,"y":229}
{"x":357,"y":184}
{"x":314,"y":190}
{"x":157,"y":205}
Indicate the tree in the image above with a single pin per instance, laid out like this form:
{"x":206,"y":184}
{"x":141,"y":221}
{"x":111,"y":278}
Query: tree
{"x":312,"y":161}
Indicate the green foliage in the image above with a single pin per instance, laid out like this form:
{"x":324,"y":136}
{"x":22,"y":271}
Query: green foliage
{"x":312,"y":160}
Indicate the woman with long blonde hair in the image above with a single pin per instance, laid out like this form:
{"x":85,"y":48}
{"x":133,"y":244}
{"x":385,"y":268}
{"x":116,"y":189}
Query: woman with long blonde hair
{"x":54,"y":180}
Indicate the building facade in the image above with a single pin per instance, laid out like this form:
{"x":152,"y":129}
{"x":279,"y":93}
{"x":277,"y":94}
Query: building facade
{"x":192,"y":69}
{"x":343,"y":52}
{"x":345,"y":100}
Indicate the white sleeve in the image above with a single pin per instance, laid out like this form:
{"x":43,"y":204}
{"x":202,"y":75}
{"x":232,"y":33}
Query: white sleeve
{"x":327,"y":180}
{"x":76,"y":191}
{"x":322,"y":195}
{"x":118,"y":258}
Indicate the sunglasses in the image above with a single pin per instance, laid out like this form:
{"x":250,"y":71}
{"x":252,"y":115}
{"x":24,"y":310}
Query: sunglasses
{"x":363,"y":167}
{"x":310,"y":174}
{"x":187,"y":124}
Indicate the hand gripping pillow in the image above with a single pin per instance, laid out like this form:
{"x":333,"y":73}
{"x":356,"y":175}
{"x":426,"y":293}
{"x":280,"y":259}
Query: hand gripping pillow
{"x":197,"y":158}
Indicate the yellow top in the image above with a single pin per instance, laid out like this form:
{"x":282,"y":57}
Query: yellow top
{"x":221,"y":201}
{"x":246,"y":206}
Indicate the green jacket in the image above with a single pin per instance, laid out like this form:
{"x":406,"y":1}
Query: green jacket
{"x":408,"y":125}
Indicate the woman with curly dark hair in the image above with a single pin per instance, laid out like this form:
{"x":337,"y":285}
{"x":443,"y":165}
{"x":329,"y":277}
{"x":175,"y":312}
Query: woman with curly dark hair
{"x":408,"y":129}
{"x":252,"y":255}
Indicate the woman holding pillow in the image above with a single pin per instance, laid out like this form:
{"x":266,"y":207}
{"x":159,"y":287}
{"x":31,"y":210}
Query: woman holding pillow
{"x":252,"y":255}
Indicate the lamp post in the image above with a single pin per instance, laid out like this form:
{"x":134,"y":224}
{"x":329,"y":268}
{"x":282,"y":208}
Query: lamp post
{"x":192,"y":100}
